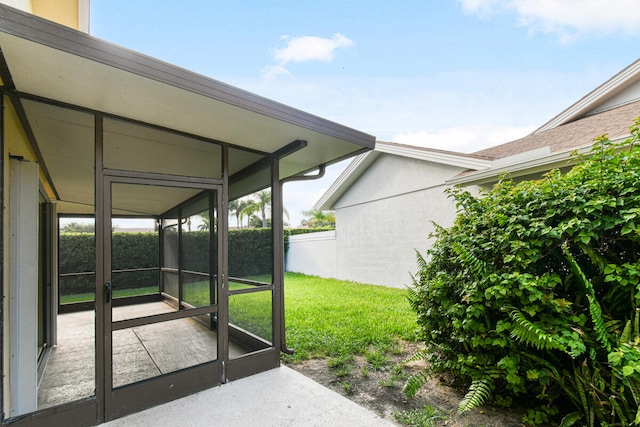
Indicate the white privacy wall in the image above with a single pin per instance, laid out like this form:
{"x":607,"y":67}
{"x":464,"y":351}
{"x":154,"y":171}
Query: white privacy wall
{"x":381,"y":220}
{"x":313,"y":254}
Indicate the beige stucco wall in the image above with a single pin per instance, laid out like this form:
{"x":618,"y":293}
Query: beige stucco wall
{"x":72,"y":13}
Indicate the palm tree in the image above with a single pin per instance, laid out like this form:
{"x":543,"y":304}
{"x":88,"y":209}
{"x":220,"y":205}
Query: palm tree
{"x":206,"y":223}
{"x":264,"y":205}
{"x":234,"y":206}
{"x":261,"y":203}
{"x":316,"y":218}
{"x":247,"y":208}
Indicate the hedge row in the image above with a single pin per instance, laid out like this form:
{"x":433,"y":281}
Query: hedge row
{"x":249,"y":255}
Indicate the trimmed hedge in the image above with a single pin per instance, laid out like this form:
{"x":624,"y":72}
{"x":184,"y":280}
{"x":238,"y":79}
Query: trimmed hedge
{"x":249,"y":255}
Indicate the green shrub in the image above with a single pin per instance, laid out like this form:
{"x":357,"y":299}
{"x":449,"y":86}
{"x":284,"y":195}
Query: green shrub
{"x":249,"y":255}
{"x":534,"y":291}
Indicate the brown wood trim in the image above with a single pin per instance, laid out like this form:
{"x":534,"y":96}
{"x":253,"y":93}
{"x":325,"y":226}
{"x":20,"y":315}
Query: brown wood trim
{"x":80,"y":414}
{"x":253,"y":364}
{"x":164,"y":317}
{"x":162,"y":177}
{"x":139,"y":396}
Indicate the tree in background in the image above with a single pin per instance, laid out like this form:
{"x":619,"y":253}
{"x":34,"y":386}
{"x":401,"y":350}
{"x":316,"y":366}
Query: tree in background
{"x":317,"y":219}
{"x":76,"y":227}
{"x":534,"y":292}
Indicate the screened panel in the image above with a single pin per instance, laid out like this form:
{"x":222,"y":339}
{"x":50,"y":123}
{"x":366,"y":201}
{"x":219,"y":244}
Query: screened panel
{"x":148,"y":351}
{"x":199,"y":243}
{"x":169,"y":273}
{"x":134,"y":258}
{"x":251,"y":239}
{"x":250,"y":321}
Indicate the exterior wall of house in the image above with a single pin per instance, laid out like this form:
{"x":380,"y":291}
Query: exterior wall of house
{"x":387,"y":215}
{"x":72,"y":13}
{"x":313,"y":254}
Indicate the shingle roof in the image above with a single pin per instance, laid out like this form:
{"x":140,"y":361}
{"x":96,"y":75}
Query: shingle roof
{"x":614,"y":122}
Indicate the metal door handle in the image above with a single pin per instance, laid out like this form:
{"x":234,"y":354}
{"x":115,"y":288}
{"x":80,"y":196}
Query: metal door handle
{"x":107,"y":291}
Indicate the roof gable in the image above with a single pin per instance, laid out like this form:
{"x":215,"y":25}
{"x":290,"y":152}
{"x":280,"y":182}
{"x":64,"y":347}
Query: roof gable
{"x":363,"y":162}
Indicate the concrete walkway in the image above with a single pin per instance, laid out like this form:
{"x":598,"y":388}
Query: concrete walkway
{"x":280,"y":397}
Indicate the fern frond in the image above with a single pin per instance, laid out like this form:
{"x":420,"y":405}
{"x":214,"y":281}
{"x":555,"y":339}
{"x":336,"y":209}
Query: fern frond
{"x":531,"y":334}
{"x":479,"y":391}
{"x":582,"y":393}
{"x":570,"y":419}
{"x":413,"y":297}
{"x":476,"y":265}
{"x":625,"y":336}
{"x":618,"y":410}
{"x":420,"y":355}
{"x":595,"y":310}
{"x":415,"y":383}
{"x":422,"y":263}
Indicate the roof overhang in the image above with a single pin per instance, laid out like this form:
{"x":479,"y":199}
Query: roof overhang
{"x":53,"y":62}
{"x":519,"y":167}
{"x":361,"y":163}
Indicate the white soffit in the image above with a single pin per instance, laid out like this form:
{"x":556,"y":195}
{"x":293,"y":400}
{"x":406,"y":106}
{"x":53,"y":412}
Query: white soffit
{"x":54,"y":62}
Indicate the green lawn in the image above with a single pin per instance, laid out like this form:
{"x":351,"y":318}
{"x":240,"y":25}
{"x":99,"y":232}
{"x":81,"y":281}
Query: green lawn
{"x":327,"y":317}
{"x":324,"y":317}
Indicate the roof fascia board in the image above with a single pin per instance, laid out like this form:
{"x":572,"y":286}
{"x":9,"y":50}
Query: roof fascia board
{"x":590,"y":100}
{"x":544,"y":163}
{"x":47,"y":33}
{"x":434,"y":156}
{"x":352,"y":172}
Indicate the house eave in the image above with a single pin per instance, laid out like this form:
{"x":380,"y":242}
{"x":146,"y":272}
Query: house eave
{"x":541,"y":164}
{"x":54,"y":62}
{"x":352,"y":172}
{"x":463,"y":161}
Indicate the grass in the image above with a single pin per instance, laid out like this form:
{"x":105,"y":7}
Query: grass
{"x":118,"y":293}
{"x":324,"y":317}
{"x":424,"y":417}
{"x":336,"y":318}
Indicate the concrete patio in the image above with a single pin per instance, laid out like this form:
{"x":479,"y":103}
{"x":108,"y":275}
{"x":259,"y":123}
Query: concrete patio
{"x":279,"y":397}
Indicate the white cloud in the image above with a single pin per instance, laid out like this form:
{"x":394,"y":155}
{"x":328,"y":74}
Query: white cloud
{"x":567,"y":18}
{"x":463,"y":139}
{"x":270,"y":72}
{"x":306,"y":48}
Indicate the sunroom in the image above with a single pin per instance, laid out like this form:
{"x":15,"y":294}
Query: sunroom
{"x":93,"y":130}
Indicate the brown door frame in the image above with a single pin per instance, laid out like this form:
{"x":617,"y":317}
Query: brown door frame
{"x":138,"y":396}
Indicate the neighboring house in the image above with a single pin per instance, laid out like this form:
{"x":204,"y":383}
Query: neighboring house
{"x":92,"y":129}
{"x":386,"y":200}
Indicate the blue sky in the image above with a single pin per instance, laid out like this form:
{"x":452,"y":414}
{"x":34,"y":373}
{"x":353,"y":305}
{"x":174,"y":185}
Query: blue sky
{"x":457,"y":75}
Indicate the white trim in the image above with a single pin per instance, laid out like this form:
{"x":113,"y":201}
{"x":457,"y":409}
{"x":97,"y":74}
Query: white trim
{"x":360,"y":164}
{"x":348,"y":176}
{"x":453,"y":159}
{"x":589,"y":102}
{"x":84,"y":16}
{"x":313,"y":237}
{"x":23,"y":286}
{"x":519,"y":168}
